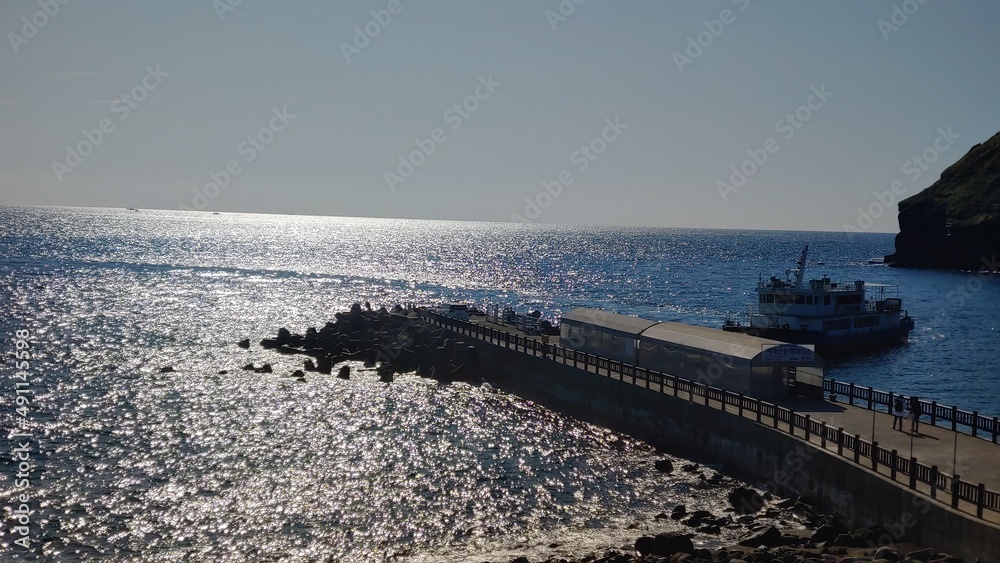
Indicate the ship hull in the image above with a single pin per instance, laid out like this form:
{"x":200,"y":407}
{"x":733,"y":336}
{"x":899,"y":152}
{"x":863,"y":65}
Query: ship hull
{"x":832,"y":345}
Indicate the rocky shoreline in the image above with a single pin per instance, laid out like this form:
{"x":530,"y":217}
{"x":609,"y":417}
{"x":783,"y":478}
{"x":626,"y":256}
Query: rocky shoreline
{"x":809,"y":552}
{"x":396,"y":341}
{"x":401,"y":341}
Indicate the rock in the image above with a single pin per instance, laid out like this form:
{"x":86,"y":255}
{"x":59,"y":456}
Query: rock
{"x":787,"y":503}
{"x":845,"y":540}
{"x":309,"y":365}
{"x":920,"y":554}
{"x":702,"y":517}
{"x":345,"y":372}
{"x":828,"y":532}
{"x":284,"y":336}
{"x":745,"y":501}
{"x":770,"y":537}
{"x":167,"y":369}
{"x":671,"y":543}
{"x":871,"y":536}
{"x":266,"y":368}
{"x":245,"y":343}
{"x":664,"y":466}
{"x":249,"y":367}
{"x":324,"y":365}
{"x":661,"y":516}
{"x":223,"y":372}
{"x":299,"y":374}
{"x":887,"y":553}
{"x":679,"y":511}
{"x":644,"y":546}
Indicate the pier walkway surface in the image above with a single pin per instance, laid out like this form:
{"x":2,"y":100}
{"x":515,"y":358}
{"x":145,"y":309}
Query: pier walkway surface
{"x":924,"y":461}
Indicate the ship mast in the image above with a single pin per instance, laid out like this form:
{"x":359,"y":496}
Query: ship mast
{"x":800,"y":270}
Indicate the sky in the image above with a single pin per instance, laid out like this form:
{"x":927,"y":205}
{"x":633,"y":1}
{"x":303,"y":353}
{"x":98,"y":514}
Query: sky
{"x":715,"y":114}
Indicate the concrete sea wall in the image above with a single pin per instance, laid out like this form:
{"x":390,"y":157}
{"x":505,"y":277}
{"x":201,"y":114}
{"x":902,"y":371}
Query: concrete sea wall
{"x":772,"y":459}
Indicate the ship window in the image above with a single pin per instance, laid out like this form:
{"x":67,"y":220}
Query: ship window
{"x":770,"y":297}
{"x":850,"y":299}
{"x":800,"y":299}
{"x":809,"y":299}
{"x":863,"y":322}
{"x":826,"y":299}
{"x":761,"y":297}
{"x":837,"y":324}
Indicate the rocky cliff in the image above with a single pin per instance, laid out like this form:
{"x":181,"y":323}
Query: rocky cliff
{"x":955,"y":223}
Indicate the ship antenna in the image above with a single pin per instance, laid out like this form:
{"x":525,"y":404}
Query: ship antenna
{"x":800,"y":271}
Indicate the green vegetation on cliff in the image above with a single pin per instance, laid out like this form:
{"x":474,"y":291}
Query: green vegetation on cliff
{"x":955,"y":223}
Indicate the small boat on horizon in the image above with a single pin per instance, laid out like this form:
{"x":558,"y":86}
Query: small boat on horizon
{"x":838,"y":318}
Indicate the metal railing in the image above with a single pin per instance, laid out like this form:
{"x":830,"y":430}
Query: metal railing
{"x":907,"y":471}
{"x":967,"y":422}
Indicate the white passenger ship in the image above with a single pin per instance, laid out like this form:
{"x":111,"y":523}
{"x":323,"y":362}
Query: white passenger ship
{"x":838,"y":318}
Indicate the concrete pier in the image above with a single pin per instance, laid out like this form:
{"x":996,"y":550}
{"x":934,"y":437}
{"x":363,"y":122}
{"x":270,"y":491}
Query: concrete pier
{"x":819,"y":449}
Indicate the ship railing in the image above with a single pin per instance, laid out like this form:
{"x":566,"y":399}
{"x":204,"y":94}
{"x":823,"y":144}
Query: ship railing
{"x":928,"y":480}
{"x":943,"y":416}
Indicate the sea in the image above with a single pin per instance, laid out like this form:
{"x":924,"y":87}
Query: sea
{"x":116,"y":460}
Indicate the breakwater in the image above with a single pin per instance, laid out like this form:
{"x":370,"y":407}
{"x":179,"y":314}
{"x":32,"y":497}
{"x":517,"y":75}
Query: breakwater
{"x":785,"y":451}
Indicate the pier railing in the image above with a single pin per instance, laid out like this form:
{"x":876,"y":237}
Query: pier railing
{"x":967,"y":422}
{"x":908,"y":471}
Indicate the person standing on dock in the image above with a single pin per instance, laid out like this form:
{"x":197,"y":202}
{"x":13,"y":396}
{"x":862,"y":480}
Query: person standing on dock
{"x":914,"y":414}
{"x":898,"y":411}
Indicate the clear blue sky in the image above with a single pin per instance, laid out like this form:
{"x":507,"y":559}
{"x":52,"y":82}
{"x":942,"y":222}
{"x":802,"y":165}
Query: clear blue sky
{"x":219,"y":77}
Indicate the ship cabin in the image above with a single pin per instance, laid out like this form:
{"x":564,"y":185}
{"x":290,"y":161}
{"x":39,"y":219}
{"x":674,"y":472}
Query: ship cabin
{"x":820,"y":298}
{"x":742,"y":363}
{"x":823,"y":298}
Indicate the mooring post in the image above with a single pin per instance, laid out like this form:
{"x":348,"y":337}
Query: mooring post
{"x":980,"y":499}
